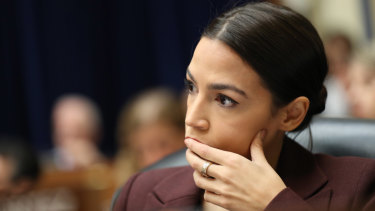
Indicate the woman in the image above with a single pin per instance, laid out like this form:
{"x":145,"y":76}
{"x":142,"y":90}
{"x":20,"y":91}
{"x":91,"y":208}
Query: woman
{"x":256,"y":73}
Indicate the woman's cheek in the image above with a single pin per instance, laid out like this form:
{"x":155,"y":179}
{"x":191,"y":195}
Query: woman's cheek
{"x":233,"y":139}
{"x":236,"y":133}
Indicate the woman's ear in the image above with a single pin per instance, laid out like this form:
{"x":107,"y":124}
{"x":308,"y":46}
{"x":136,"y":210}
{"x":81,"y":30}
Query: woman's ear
{"x":294,"y":113}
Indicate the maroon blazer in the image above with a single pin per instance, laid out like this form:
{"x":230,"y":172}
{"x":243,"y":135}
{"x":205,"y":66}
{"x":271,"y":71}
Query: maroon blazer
{"x":314,"y":182}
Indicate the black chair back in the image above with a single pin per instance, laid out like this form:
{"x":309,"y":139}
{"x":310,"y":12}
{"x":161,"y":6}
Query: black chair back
{"x":339,"y":137}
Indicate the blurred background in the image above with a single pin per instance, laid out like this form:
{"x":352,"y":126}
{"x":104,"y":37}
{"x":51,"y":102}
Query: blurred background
{"x":81,"y":83}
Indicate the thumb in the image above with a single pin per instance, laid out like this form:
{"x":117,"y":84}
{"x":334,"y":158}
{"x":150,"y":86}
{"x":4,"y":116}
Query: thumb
{"x":256,"y":148}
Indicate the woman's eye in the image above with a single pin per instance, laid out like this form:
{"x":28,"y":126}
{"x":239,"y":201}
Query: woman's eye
{"x":225,"y":101}
{"x":189,"y":86}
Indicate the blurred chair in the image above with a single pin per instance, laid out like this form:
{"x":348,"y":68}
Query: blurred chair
{"x":339,"y":137}
{"x":172,"y":160}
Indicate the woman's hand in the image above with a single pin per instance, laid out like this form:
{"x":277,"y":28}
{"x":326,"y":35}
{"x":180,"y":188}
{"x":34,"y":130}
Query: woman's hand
{"x":235,"y":182}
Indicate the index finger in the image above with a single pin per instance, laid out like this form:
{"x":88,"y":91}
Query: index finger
{"x":206,"y":152}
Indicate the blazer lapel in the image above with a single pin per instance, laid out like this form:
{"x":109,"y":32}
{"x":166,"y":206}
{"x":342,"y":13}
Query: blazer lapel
{"x":300,"y":172}
{"x":176,"y":190}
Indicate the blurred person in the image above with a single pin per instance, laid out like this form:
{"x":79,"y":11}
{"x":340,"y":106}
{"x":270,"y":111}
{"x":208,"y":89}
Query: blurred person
{"x":338,"y":49}
{"x":19,"y":167}
{"x":76,"y":132}
{"x":77,"y":176}
{"x":362,"y":84}
{"x":150,"y":127}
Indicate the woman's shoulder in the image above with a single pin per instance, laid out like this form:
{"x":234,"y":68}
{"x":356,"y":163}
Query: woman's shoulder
{"x":343,"y":163}
{"x":332,"y":166}
{"x":344,"y":176}
{"x":324,"y":181}
{"x":156,"y":186}
{"x":346,"y":166}
{"x":351,"y":179}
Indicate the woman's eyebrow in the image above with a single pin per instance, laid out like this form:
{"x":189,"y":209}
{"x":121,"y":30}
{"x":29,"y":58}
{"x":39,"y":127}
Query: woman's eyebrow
{"x":227,"y":87}
{"x":190,"y":75}
{"x":218,"y":86}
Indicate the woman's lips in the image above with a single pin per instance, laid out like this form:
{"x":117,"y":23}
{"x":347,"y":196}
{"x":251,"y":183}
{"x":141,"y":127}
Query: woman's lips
{"x":193,"y":139}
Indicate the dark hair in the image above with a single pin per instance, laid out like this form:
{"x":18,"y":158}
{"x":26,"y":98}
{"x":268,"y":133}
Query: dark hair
{"x":22,"y":156}
{"x":282,"y":46}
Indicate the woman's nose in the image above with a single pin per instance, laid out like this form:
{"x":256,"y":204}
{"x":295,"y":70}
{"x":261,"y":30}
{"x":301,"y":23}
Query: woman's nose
{"x":196,"y":117}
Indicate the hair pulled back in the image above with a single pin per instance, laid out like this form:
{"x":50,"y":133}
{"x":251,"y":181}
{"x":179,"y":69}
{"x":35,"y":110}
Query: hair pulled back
{"x":282,"y":47}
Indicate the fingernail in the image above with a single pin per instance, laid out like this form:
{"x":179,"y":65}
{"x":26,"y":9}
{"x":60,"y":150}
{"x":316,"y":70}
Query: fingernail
{"x":187,"y":141}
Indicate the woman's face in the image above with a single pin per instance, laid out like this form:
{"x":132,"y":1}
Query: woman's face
{"x":227,"y":104}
